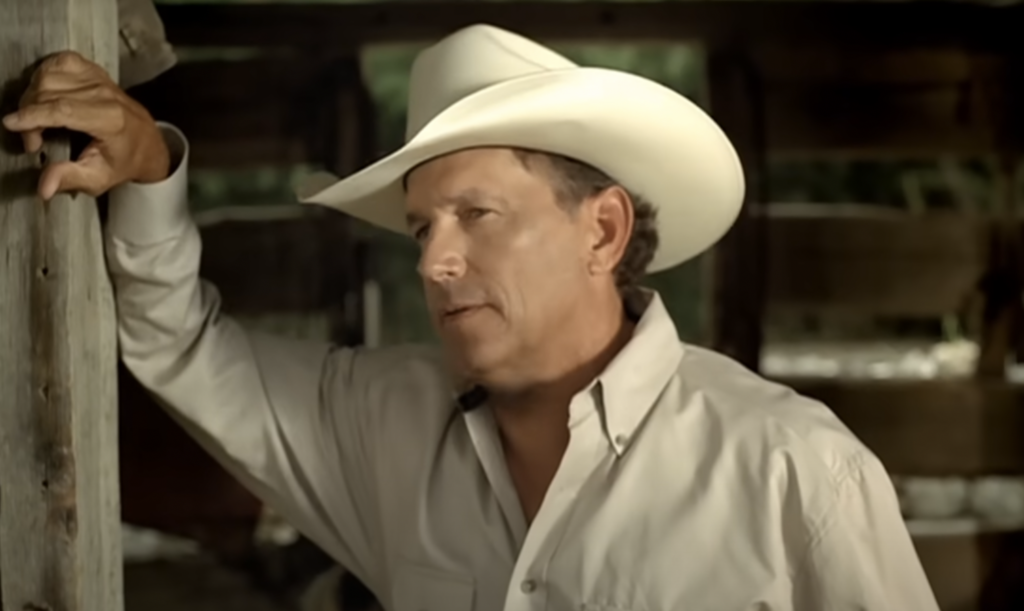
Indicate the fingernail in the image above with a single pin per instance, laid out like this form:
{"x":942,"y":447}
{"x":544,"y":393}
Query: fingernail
{"x":10,"y":120}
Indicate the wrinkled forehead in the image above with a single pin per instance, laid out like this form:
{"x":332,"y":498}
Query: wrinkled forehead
{"x":491,"y":178}
{"x":480,"y":170}
{"x":467,"y":158}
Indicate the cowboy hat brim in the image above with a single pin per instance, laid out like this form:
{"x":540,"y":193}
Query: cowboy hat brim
{"x":649,"y":138}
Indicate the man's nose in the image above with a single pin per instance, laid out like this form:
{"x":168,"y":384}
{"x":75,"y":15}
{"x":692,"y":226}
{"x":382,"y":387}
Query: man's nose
{"x":442,"y":259}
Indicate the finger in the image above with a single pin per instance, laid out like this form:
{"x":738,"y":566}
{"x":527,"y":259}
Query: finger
{"x":90,"y":174}
{"x":67,"y":62}
{"x":72,"y":90}
{"x":66,"y":71}
{"x":98,"y":119}
{"x":61,"y":71}
{"x":84,"y":92}
{"x":54,"y":81}
{"x":33,"y":140}
{"x":74,"y":84}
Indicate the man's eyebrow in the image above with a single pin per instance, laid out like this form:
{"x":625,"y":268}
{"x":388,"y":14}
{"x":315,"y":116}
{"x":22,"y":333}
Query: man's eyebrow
{"x":474,"y":196}
{"x":412,"y":219}
{"x":469,"y":197}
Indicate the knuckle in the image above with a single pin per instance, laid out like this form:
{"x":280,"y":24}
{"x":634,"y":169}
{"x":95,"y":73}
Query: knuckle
{"x":54,"y":62}
{"x":63,"y":61}
{"x":105,"y":91}
{"x":69,"y":59}
{"x":46,"y":80}
{"x":48,"y":64}
{"x":62,"y":107}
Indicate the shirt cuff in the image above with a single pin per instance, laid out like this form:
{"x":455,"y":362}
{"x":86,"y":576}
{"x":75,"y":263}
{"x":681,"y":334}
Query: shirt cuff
{"x":143,"y":214}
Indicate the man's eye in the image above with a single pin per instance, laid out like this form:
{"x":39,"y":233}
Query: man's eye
{"x":420,"y":233}
{"x":475,"y":213}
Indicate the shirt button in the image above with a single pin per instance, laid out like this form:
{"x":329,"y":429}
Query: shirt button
{"x":528,"y":586}
{"x":620,"y":440}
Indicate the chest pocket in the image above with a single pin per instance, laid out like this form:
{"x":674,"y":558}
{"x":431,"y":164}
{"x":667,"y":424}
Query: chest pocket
{"x":417,"y":588}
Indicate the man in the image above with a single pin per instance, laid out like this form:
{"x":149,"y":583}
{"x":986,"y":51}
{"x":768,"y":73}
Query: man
{"x":564,"y":450}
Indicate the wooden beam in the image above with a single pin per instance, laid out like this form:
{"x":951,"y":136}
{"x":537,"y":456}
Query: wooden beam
{"x":908,"y":101}
{"x":793,"y":63}
{"x":857,"y":120}
{"x":872,"y":261}
{"x":345,"y":26}
{"x":737,"y":261}
{"x":931,"y":427}
{"x":254,"y":112}
{"x":60,"y":538}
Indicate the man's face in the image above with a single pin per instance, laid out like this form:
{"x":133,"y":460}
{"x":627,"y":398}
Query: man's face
{"x":503,"y":265}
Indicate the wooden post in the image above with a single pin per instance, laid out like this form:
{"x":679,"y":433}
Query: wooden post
{"x":352,"y":146}
{"x":738,"y":261}
{"x":60,"y":540}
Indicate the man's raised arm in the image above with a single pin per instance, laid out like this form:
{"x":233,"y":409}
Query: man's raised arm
{"x":277,"y":413}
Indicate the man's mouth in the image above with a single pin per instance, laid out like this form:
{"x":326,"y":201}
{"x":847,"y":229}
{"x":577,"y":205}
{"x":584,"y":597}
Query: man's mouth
{"x":457,"y":312}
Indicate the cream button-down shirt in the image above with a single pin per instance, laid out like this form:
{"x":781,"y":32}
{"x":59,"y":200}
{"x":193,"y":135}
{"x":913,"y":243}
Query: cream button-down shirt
{"x":689,"y":483}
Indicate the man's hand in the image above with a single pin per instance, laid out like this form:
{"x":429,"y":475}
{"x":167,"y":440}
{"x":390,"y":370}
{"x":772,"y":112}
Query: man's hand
{"x":71,"y":92}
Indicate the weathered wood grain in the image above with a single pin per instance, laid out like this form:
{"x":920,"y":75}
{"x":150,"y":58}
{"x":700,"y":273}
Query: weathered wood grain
{"x":60,"y":547}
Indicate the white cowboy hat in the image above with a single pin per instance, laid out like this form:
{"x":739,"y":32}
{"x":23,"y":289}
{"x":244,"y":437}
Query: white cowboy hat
{"x":484,"y":86}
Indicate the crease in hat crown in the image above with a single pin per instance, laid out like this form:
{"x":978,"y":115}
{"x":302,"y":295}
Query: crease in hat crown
{"x":467,"y":61}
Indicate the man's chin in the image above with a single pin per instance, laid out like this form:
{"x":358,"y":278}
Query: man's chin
{"x":472,"y":360}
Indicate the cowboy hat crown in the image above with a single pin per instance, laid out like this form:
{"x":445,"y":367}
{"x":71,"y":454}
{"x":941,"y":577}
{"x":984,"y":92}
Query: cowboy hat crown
{"x":472,"y":59}
{"x":485,"y":86}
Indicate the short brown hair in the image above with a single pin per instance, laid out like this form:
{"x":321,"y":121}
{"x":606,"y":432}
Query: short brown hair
{"x":573,"y":181}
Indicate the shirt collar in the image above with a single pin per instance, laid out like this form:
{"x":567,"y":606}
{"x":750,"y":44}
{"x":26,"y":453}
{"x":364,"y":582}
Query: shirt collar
{"x":630,"y":385}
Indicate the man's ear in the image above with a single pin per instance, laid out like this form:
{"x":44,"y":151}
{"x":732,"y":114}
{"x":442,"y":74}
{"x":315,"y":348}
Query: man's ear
{"x":611,"y":217}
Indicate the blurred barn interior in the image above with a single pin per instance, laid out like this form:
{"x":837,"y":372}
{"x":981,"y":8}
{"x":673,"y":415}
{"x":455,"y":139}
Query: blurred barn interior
{"x":879,"y":264}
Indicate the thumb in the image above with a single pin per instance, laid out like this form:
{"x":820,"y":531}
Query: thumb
{"x":90,"y":174}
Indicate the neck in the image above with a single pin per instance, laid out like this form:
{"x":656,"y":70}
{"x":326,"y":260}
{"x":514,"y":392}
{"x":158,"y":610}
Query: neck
{"x":533,"y":419}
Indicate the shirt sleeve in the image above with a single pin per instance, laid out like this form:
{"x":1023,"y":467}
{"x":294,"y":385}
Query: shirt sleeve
{"x":862,"y":558}
{"x":282,"y":416}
